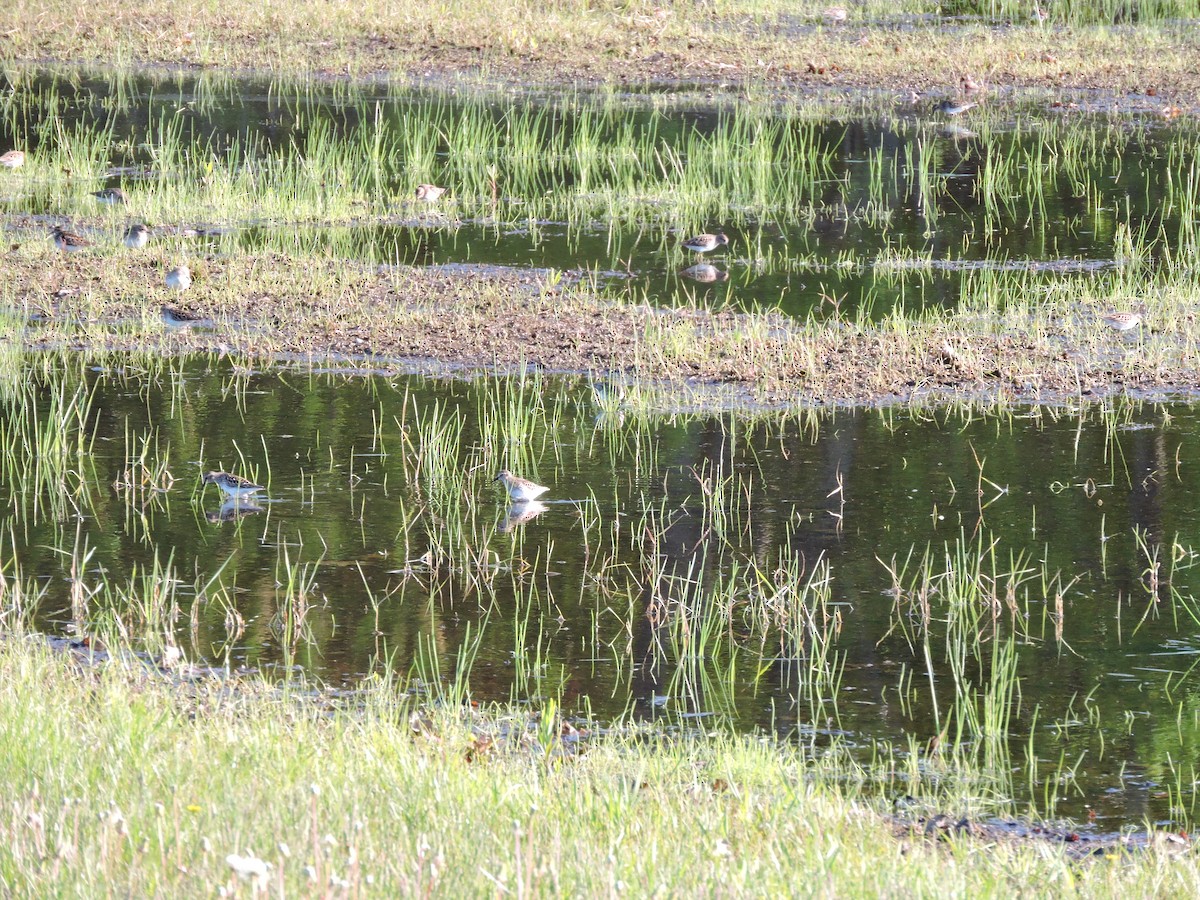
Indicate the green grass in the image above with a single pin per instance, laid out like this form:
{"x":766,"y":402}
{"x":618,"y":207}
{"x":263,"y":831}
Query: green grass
{"x":353,"y":158}
{"x":120,"y":778}
{"x":591,"y":161}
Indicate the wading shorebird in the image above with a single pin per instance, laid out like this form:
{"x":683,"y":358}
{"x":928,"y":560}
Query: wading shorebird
{"x":68,"y":241}
{"x":13,"y":159}
{"x":702,"y":243}
{"x":111,"y":196}
{"x":137,"y":236}
{"x":179,"y":278}
{"x":429,"y":192}
{"x":970,"y":85}
{"x":234,"y":485}
{"x":520,"y":490}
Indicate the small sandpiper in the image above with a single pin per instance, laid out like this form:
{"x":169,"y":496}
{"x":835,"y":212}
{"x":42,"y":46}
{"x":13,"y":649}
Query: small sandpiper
{"x":179,"y":278}
{"x":608,"y":394}
{"x":835,"y":15}
{"x":234,"y":485}
{"x":111,"y":196}
{"x":702,"y":243}
{"x":137,"y":236}
{"x":970,"y":85}
{"x":520,"y":490}
{"x":954,"y":108}
{"x":68,"y":241}
{"x":1122,"y":321}
{"x":181,"y":318}
{"x":429,"y":192}
{"x":13,"y":159}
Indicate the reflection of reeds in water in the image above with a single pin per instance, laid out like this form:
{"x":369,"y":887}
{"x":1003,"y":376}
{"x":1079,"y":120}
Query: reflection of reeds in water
{"x":447,"y":681}
{"x":447,"y":526}
{"x":46,"y":441}
{"x":296,"y":597}
{"x":431,"y":459}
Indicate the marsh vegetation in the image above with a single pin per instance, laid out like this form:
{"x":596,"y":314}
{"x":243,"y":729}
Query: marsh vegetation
{"x":853,"y":619}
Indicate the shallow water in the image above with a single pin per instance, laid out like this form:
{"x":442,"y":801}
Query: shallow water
{"x":640,"y":584}
{"x":894,"y":207}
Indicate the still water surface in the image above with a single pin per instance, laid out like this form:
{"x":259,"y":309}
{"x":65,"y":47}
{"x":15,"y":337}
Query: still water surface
{"x":636,"y":587}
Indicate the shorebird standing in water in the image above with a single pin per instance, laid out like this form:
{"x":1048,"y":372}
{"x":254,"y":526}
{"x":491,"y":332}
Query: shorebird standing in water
{"x":702,"y":243}
{"x":520,"y":490}
{"x":954,"y":108}
{"x":429,"y":192}
{"x":234,"y":485}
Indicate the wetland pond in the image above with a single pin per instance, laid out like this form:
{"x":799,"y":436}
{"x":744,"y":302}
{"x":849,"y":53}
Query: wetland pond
{"x":1019,"y":584}
{"x":1025,"y":580}
{"x":883,"y":209}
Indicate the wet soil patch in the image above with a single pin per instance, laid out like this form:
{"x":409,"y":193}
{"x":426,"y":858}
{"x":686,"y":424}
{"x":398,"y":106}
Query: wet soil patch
{"x":267,"y":306}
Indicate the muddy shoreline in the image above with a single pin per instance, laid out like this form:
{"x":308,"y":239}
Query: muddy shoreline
{"x":399,"y":319}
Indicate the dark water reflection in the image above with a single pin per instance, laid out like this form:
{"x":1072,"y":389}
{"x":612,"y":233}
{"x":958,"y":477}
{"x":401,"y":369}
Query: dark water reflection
{"x":601,"y":600}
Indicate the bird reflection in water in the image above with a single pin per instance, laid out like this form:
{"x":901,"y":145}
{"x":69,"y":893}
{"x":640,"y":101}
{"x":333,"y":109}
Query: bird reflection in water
{"x":232,"y":510}
{"x":520,"y":513}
